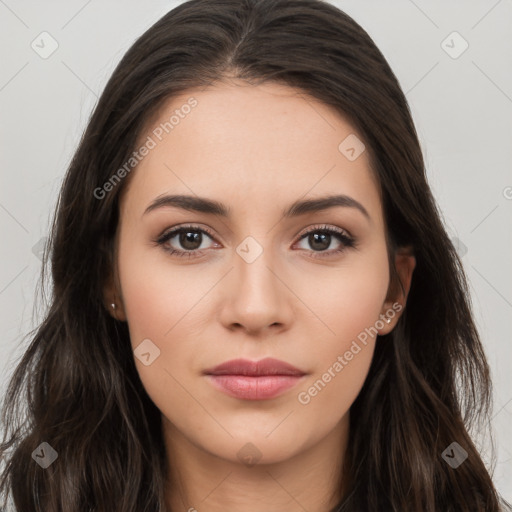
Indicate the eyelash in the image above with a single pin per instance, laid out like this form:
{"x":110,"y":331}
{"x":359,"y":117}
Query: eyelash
{"x":346,"y":240}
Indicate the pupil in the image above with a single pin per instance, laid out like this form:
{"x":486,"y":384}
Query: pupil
{"x":324,"y":243}
{"x":189,"y":239}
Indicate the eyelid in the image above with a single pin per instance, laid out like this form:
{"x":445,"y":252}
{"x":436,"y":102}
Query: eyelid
{"x":305,"y":231}
{"x":176,"y":229}
{"x":345,"y":238}
{"x":324,"y":227}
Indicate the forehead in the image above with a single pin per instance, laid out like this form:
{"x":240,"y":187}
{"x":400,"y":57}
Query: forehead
{"x":252,"y":144}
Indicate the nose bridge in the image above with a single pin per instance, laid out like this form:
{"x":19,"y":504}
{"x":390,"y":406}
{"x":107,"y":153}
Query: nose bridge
{"x":258,"y":296}
{"x":253,"y":264}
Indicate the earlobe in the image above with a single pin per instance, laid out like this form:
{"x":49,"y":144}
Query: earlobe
{"x":112,"y":302}
{"x":116,"y":309}
{"x":389,"y":317}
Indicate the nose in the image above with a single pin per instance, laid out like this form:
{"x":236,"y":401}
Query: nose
{"x":256,"y":297}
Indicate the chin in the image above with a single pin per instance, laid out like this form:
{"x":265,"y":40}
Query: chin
{"x":260,"y":449}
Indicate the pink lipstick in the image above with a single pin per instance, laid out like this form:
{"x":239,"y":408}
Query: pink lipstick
{"x":254,"y":380}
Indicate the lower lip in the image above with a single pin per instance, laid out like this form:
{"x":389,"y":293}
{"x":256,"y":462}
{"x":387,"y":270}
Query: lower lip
{"x":261,"y":387}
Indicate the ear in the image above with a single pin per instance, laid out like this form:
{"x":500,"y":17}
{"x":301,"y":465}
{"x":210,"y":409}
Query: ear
{"x":393,"y":307}
{"x":112,"y":300}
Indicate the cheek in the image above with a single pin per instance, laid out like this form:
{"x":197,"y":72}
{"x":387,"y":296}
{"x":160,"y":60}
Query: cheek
{"x":341,"y":363}
{"x":159,"y":306}
{"x":156,"y":298}
{"x":348,"y":298}
{"x":349,"y":305}
{"x":331,"y":392}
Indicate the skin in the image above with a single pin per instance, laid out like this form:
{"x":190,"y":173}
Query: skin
{"x":256,"y":149}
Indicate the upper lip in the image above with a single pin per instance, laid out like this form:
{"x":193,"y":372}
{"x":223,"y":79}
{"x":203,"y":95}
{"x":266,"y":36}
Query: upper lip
{"x":267,"y":366}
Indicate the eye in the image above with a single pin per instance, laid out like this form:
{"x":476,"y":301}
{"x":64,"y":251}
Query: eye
{"x":321,"y":237}
{"x":190,"y":238}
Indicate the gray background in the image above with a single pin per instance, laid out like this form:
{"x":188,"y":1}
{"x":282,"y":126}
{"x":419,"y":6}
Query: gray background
{"x":461,"y":104}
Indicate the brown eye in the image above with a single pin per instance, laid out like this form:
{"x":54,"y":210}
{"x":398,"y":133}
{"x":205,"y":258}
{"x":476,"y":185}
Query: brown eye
{"x":184,"y":241}
{"x":319,"y":239}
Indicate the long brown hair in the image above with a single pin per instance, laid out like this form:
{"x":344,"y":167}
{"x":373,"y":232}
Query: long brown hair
{"x":77,"y":387}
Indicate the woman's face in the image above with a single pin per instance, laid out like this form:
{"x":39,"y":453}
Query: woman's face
{"x":246,"y":284}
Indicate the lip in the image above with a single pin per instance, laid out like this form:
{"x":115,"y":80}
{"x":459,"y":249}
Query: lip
{"x":263,"y":367}
{"x":254,"y":380}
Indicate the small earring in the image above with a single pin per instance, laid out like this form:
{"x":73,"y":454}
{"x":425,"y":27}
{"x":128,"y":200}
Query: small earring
{"x":113,"y":306}
{"x":388,"y":320}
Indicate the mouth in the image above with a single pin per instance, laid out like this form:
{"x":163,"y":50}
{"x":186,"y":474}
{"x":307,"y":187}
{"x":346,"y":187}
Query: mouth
{"x":254,"y":380}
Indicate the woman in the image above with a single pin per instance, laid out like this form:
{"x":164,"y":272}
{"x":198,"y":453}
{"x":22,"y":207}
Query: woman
{"x":255,"y":304}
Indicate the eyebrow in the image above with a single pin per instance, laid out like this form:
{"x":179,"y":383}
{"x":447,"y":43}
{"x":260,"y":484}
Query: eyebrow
{"x":212,"y":207}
